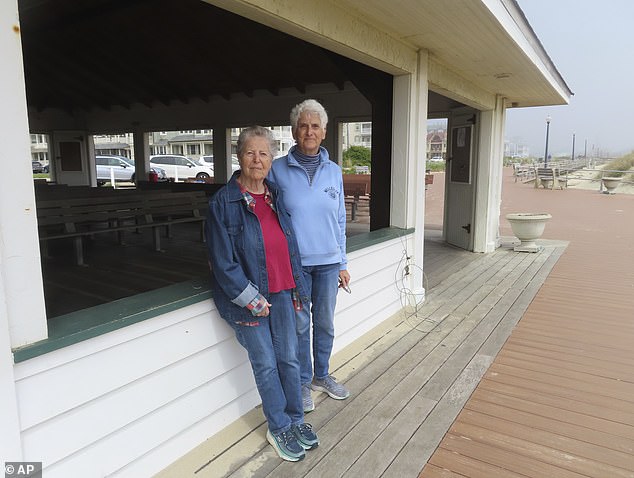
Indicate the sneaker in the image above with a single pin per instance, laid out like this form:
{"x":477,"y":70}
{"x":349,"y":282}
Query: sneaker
{"x":329,"y":385}
{"x":286,"y":445}
{"x":307,"y":399}
{"x":305,"y":435}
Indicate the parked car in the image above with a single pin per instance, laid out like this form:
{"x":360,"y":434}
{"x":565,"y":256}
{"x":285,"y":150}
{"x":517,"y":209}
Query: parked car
{"x":123,"y":169}
{"x":437,"y":159}
{"x":180,"y":168}
{"x":208,"y":160}
{"x":37,"y":167}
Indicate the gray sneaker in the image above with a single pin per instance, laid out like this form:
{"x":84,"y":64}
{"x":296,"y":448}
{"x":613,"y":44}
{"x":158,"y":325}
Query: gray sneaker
{"x":307,"y":399}
{"x":329,"y":385}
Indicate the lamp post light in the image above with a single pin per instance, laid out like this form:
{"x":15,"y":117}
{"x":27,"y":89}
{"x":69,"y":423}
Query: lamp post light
{"x":547,"y":131}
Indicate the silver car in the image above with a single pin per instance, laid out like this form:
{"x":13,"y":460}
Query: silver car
{"x":122,"y":168}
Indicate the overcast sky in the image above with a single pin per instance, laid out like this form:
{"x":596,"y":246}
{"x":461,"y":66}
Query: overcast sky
{"x":591,"y":43}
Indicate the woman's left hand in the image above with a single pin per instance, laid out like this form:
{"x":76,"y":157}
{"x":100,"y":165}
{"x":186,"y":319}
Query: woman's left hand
{"x":265,"y":311}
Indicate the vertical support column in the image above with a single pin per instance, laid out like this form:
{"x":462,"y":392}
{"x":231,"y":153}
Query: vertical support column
{"x":222,"y":155}
{"x":419,"y":130}
{"x":20,"y":266}
{"x":141,"y":155}
{"x":489,"y":178}
{"x":408,"y":164}
{"x":22,"y":313}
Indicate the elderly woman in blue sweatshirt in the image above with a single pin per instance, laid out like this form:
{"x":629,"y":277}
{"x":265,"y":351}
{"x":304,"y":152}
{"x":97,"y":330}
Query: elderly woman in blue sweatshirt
{"x":256,"y":279}
{"x":313,"y":194}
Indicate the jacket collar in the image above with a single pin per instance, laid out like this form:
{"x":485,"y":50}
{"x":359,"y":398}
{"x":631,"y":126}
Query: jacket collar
{"x":233,"y":188}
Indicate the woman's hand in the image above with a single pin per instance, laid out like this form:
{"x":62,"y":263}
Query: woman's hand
{"x":265,"y":311}
{"x":344,"y":279}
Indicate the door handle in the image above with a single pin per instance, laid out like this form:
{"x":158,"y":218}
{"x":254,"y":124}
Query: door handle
{"x":467,"y":228}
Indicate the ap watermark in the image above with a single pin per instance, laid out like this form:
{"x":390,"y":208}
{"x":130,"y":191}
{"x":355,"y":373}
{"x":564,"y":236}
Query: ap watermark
{"x":22,"y":469}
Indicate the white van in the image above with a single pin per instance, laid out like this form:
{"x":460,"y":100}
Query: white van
{"x":179,"y":168}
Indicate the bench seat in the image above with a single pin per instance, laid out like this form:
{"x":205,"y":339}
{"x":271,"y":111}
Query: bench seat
{"x":76,"y":218}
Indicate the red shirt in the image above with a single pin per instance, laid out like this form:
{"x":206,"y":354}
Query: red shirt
{"x":278,"y":262}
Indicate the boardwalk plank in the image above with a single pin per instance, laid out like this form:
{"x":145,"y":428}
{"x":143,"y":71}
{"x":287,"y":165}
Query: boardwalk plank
{"x":446,"y":458}
{"x":581,"y":381}
{"x":503,"y":459}
{"x":550,"y":419}
{"x":571,"y":347}
{"x":554,"y":440}
{"x":606,"y":370}
{"x":585,"y":408}
{"x":536,"y":450}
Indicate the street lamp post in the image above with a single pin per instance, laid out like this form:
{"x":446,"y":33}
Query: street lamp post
{"x":547,"y":131}
{"x":573,"y":147}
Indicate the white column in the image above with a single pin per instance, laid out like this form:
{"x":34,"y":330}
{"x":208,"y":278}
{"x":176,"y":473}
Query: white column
{"x":408,"y":164}
{"x":489,"y":178}
{"x":19,"y":247}
{"x":22,"y":317}
{"x":421,"y":88}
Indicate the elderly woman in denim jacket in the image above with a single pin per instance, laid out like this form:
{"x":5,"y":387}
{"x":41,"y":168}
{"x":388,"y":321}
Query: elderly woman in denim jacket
{"x":257,"y":284}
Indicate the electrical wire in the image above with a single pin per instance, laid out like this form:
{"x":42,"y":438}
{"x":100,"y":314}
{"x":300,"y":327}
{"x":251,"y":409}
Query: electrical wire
{"x":411,"y":303}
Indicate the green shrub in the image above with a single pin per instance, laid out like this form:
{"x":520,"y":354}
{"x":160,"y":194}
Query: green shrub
{"x":357,"y":156}
{"x":624,"y":163}
{"x":435,"y":166}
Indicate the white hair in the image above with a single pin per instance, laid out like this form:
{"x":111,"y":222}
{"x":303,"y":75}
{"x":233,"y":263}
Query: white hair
{"x":256,"y":131}
{"x":308,"y":106}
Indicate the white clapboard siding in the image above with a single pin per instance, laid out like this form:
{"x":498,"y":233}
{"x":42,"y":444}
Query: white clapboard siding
{"x":88,"y":347}
{"x":119,"y":408}
{"x":142,"y":436}
{"x":375,"y":295}
{"x":158,"y":458}
{"x":130,"y":402}
{"x":95,"y":375}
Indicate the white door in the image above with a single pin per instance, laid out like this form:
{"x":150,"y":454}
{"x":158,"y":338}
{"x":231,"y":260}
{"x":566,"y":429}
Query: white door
{"x":71,"y":159}
{"x":460,"y":188}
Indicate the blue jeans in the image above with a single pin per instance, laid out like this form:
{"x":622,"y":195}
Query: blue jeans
{"x":272,"y":349}
{"x":322,"y":283}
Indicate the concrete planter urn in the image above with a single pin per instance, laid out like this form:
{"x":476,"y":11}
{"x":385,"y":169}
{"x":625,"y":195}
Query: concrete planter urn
{"x":610,"y":184}
{"x":528,"y":227}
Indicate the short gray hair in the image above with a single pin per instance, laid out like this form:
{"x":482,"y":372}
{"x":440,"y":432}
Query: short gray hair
{"x":308,"y":106}
{"x":252,"y":131}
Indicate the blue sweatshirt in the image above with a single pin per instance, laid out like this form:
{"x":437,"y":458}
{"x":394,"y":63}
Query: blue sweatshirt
{"x":317,"y":209}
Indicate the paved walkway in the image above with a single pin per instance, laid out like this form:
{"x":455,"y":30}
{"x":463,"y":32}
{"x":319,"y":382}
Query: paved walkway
{"x":558,"y":400}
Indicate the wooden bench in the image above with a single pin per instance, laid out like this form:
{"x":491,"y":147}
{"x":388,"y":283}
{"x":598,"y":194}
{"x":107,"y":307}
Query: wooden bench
{"x":550,"y":178}
{"x":524,"y":173}
{"x":76,"y":218}
{"x":173,"y":208}
{"x":354,"y":186}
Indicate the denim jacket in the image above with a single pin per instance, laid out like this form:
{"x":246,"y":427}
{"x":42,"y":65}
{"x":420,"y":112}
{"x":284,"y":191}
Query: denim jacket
{"x":235,"y":247}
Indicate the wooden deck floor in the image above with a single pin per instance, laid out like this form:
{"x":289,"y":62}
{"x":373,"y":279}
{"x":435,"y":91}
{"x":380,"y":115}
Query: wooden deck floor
{"x":431,"y":392}
{"x":558,"y":401}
